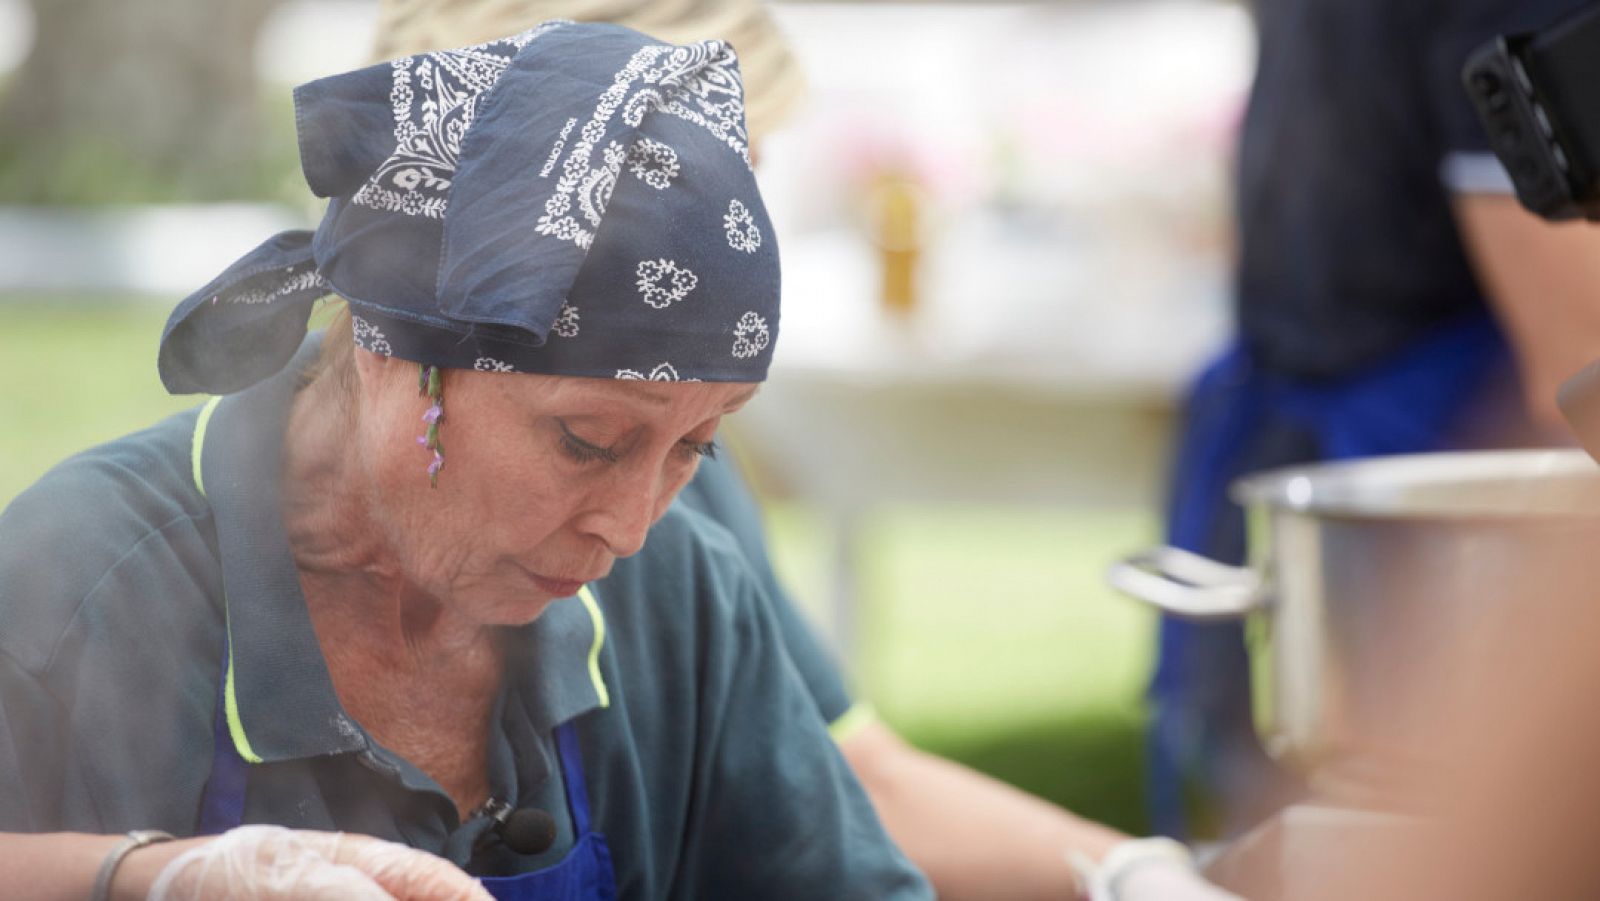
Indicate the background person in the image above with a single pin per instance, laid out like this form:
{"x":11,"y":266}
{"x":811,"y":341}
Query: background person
{"x":1390,"y":297}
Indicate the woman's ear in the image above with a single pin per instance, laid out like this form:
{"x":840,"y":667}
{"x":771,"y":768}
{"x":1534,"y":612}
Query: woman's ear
{"x":372,"y":369}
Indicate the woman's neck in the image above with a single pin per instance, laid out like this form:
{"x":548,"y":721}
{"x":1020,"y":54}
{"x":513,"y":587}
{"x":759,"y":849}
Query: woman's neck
{"x":351,"y":573}
{"x":421,"y":681}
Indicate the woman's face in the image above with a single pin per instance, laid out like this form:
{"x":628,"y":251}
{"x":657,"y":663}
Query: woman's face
{"x":547,"y":479}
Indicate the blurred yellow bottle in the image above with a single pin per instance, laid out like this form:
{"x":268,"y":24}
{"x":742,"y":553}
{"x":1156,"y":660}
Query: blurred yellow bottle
{"x":895,"y":214}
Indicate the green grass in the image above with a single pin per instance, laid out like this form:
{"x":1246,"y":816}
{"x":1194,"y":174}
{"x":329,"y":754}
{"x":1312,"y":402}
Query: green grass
{"x":78,"y":371}
{"x":987,"y":635}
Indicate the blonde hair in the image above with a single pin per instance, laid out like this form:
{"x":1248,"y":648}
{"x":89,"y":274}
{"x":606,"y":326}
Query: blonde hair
{"x":772,"y":77}
{"x":336,"y":359}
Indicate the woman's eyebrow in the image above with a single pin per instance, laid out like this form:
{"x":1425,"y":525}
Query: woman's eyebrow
{"x":604,"y":423}
{"x":583,"y":417}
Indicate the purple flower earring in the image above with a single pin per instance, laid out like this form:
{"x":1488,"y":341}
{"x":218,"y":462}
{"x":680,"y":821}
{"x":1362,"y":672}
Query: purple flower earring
{"x":430,"y":382}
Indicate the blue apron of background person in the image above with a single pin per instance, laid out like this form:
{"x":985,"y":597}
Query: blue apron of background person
{"x":584,"y":874}
{"x":1241,"y":418}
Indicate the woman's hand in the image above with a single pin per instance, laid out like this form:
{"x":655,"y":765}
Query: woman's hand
{"x":271,"y":863}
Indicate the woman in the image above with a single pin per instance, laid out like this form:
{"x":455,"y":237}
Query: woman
{"x":973,"y":836}
{"x":341,"y":596}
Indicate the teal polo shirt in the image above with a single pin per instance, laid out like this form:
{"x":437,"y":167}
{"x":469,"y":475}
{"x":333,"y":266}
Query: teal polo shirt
{"x":718,"y":492}
{"x":123,"y":570}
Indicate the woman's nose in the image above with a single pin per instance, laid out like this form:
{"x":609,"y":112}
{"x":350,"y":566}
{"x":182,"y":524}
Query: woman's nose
{"x":622,"y":514}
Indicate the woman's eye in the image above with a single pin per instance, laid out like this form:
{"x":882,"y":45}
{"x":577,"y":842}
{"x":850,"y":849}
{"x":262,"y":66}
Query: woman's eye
{"x":583,"y":451}
{"x":700,"y":448}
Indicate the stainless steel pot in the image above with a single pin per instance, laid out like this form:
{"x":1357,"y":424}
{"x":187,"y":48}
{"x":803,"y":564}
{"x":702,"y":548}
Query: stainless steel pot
{"x":1359,"y":571}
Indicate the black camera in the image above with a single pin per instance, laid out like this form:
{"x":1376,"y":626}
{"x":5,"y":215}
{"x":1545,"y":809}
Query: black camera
{"x":1539,"y":97}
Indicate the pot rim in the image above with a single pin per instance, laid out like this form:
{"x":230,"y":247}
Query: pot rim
{"x":1376,"y":487}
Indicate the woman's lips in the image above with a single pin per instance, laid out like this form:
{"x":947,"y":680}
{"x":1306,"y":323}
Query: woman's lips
{"x":561,"y":588}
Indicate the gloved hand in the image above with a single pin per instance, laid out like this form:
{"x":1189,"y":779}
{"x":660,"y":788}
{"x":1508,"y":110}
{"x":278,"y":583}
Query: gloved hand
{"x":1150,"y":869}
{"x":271,"y":863}
{"x":1167,"y":881}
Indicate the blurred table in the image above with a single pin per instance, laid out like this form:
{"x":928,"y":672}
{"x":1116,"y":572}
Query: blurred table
{"x":1029,"y":374}
{"x":159,"y":250}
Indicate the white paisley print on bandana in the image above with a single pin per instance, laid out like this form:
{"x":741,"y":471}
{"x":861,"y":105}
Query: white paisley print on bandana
{"x":415,"y":179}
{"x":662,"y":283}
{"x":294,"y":284}
{"x":490,"y":364}
{"x":595,"y":192}
{"x":369,"y":338}
{"x":566,"y":324}
{"x":741,"y":227}
{"x":653,"y":162}
{"x":698,"y":83}
{"x":750,"y":336}
{"x":662,"y":373}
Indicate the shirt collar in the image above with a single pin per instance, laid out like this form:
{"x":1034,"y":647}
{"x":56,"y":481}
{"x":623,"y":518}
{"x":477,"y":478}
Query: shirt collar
{"x":556,"y":660}
{"x":281,"y":703}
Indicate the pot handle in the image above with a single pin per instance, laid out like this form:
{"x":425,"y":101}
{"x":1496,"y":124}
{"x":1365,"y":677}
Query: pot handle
{"x":1188,"y":585}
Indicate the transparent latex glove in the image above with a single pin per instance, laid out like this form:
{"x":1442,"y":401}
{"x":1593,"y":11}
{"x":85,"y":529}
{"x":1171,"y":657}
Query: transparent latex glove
{"x":1159,"y":880}
{"x":1148,"y":869}
{"x":271,"y":863}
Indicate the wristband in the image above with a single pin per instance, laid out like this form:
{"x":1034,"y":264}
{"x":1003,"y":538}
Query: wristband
{"x":108,"y":868}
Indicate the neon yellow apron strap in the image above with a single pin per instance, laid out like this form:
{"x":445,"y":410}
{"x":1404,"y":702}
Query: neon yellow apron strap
{"x":599,"y":621}
{"x":852,"y":721}
{"x":200,"y":442}
{"x":230,"y":700}
{"x":230,"y":704}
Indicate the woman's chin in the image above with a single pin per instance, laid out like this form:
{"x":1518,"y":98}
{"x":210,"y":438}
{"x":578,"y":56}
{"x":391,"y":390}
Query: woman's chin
{"x":516,"y":596}
{"x":521,"y":613}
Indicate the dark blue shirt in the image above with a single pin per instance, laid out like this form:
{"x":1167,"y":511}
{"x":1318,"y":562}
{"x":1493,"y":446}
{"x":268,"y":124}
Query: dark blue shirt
{"x":1349,"y":249}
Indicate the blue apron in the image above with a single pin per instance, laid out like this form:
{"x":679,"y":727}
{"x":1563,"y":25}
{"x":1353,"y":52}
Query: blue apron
{"x":1242,"y":418}
{"x":584,"y":874}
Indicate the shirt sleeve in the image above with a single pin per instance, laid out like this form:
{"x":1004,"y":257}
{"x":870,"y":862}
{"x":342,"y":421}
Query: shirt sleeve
{"x":1451,"y":31}
{"x":780,"y":815}
{"x":30,"y":752}
{"x":718,"y":492}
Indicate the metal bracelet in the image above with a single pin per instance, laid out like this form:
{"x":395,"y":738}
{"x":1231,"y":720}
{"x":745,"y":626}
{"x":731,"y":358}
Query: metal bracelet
{"x":108,"y":868}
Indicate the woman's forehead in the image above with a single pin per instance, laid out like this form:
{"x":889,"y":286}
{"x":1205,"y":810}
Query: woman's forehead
{"x":632,"y":394}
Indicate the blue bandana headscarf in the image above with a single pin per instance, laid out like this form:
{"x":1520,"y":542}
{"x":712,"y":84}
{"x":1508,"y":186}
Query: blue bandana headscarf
{"x":573,"y":200}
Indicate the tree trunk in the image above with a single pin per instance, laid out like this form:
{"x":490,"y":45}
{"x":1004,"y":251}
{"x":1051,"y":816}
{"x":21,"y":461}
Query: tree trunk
{"x":134,"y":101}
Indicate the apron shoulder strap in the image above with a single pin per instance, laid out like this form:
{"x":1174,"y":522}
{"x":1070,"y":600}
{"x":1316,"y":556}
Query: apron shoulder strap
{"x":572,"y":774}
{"x":222,"y":799}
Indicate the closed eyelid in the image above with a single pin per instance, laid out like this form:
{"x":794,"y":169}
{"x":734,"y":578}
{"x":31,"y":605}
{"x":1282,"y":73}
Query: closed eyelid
{"x":609,"y":454}
{"x":589,"y":451}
